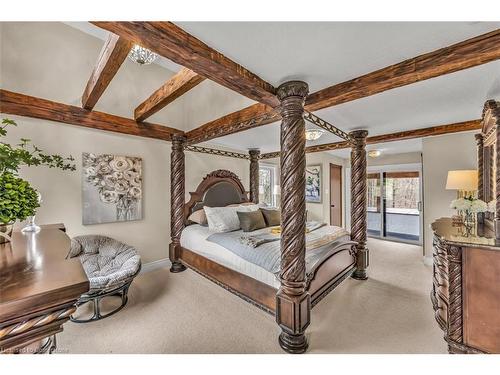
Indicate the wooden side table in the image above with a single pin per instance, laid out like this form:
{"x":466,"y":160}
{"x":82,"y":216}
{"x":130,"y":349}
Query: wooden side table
{"x":39,"y":288}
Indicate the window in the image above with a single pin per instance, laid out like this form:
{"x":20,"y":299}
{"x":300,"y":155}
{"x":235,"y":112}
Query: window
{"x":266,"y":185}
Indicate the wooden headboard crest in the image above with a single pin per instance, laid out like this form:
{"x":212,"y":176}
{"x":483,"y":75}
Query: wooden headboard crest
{"x":222,"y":173}
{"x":491,"y":116}
{"x":218,"y":188}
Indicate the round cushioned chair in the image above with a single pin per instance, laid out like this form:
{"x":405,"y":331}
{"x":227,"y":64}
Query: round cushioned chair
{"x":110,"y":266}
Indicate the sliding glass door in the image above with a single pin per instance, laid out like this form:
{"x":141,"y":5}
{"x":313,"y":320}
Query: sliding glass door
{"x":374,"y":218}
{"x":394,"y":205}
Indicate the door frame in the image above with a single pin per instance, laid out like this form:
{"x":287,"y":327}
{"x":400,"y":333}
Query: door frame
{"x":417,"y":167}
{"x":341,"y":192}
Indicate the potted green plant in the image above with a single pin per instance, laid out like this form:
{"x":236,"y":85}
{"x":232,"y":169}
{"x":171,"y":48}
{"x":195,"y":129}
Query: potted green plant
{"x":18,"y":199}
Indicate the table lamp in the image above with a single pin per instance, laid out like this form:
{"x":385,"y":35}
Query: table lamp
{"x":463,"y":181}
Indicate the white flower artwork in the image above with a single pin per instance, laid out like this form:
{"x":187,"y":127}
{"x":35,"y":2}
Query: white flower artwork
{"x":112,"y":188}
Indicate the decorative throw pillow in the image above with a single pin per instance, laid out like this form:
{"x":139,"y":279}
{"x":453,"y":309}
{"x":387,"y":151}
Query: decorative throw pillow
{"x":249,"y":207}
{"x":222,"y":219}
{"x":272,"y":217}
{"x":251,"y":220}
{"x":245,"y":206}
{"x":199,"y":217}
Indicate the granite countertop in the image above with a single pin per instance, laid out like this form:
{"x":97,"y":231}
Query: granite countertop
{"x":481,"y":237}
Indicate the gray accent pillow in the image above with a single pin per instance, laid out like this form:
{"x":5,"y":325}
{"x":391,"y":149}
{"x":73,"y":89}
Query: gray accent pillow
{"x":251,"y":220}
{"x":272,"y":217}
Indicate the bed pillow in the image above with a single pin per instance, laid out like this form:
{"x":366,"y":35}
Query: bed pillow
{"x":251,"y":220}
{"x":249,"y":207}
{"x":222,"y":219}
{"x":199,"y":217}
{"x":245,"y":206}
{"x":272,"y":217}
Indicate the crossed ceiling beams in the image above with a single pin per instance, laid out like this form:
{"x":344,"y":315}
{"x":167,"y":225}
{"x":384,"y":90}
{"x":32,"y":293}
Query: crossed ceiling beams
{"x":467,"y":54}
{"x":201,"y":62}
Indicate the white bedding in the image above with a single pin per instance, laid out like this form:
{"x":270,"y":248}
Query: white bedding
{"x":194,"y":237}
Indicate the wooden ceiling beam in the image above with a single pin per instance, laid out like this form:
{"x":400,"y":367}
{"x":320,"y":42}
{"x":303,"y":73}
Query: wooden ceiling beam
{"x":392,"y":137}
{"x":467,"y":54}
{"x":176,"y":86}
{"x":113,"y":54}
{"x":173,"y":43}
{"x":247,"y":118}
{"x":23,"y":105}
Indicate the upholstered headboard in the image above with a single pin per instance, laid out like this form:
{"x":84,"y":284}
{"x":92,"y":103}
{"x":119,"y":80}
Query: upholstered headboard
{"x":217,"y":189}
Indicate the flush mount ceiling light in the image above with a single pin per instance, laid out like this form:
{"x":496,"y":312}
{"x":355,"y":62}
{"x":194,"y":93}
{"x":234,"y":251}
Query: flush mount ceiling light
{"x":374,"y":153}
{"x":314,"y":134}
{"x":141,"y":55}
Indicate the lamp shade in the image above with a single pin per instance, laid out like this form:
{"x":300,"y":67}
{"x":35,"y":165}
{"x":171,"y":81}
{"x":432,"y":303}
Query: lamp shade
{"x":465,"y":180}
{"x":277,"y":190}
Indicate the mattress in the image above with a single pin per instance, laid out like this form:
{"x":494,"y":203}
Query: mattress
{"x":194,"y":238}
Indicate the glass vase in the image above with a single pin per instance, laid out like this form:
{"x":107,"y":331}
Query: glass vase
{"x":469,"y":223}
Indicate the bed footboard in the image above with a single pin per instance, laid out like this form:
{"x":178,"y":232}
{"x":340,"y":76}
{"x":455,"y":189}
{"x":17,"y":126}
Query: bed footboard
{"x":335,"y":266}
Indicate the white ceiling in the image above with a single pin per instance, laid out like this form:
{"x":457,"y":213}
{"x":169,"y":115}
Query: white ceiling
{"x":324,"y":54}
{"x":102,"y":34}
{"x":444,"y":100}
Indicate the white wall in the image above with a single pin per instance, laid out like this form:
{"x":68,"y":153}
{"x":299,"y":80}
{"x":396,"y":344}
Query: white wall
{"x":393,"y":159}
{"x":61,"y":190}
{"x":321,"y":211}
{"x":440,"y":155}
{"x":54,"y":61}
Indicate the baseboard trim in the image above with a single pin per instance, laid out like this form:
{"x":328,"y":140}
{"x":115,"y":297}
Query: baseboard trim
{"x":428,"y":260}
{"x":151,"y":266}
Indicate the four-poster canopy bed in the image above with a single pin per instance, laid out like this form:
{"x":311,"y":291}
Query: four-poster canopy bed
{"x":298,"y":290}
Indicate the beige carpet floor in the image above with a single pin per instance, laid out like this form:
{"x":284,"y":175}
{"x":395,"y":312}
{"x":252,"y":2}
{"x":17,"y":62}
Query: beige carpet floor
{"x":185,"y":313}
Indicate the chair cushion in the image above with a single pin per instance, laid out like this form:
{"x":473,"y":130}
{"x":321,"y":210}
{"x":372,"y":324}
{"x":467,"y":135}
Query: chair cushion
{"x":106,"y":262}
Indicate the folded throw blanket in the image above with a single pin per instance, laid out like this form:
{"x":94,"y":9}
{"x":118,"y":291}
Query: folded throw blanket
{"x":260,"y":239}
{"x":268,"y":255}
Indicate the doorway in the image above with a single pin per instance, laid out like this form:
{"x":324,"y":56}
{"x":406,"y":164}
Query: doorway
{"x":335,"y":195}
{"x":394,"y":205}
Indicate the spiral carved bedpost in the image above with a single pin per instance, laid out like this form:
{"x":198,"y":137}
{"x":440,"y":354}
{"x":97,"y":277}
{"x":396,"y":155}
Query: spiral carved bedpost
{"x":254,"y":175}
{"x":293,"y":303}
{"x":358,"y":201}
{"x":177,"y":192}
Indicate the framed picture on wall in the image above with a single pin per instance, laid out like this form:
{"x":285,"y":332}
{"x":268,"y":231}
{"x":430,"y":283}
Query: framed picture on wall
{"x":313,"y":183}
{"x":112,"y":188}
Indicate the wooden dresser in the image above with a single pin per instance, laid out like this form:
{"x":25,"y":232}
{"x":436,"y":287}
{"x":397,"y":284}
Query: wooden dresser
{"x":466,"y":290}
{"x":38,"y":289}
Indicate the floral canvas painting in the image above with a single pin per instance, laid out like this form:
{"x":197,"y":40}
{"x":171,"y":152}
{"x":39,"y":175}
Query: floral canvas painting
{"x":112,"y":188}
{"x":313,"y":183}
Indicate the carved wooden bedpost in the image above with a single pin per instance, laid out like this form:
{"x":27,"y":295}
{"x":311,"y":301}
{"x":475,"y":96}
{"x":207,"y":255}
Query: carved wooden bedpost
{"x":177,"y":192}
{"x":254,"y":175}
{"x":293,"y":304}
{"x":358,"y":201}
